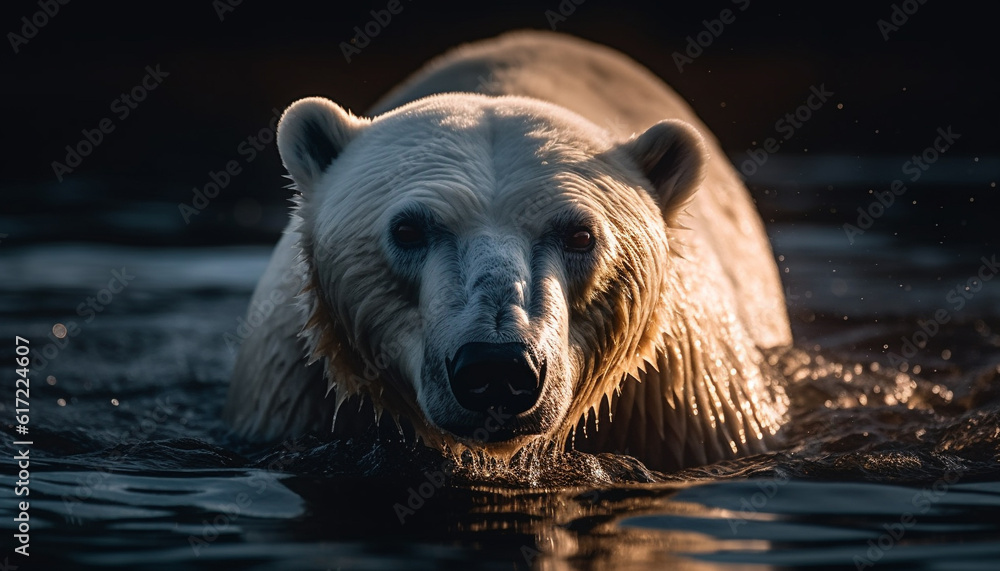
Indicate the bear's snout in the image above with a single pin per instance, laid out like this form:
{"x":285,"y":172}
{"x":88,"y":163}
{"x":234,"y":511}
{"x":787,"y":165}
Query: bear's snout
{"x":507,"y":377}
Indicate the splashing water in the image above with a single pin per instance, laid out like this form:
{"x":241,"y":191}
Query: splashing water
{"x":885,"y":462}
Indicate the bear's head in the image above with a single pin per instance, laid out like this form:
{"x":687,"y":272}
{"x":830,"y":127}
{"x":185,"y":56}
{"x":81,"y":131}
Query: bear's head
{"x":486,"y":268}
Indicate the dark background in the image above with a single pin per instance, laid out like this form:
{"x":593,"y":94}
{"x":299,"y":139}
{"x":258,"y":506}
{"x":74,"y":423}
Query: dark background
{"x":225,"y":77}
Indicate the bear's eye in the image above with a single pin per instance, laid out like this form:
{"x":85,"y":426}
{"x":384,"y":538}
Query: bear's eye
{"x":578,"y":239}
{"x":408,"y":234}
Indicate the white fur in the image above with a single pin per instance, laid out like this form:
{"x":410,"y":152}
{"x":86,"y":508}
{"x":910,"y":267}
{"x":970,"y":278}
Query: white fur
{"x":651,"y":341}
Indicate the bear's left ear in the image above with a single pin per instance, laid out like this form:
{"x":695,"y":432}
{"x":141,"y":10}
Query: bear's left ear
{"x":311,"y":134}
{"x":673,"y":156}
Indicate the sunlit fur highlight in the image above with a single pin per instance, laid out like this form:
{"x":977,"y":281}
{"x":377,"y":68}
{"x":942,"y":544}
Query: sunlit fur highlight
{"x":635,"y":319}
{"x":657,"y":341}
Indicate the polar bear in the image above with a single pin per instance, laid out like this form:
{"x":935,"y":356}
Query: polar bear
{"x":532,"y":242}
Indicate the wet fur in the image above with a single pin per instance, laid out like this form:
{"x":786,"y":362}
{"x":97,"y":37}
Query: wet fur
{"x":672,"y":373}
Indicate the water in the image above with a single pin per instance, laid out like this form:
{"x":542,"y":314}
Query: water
{"x":130,"y":466}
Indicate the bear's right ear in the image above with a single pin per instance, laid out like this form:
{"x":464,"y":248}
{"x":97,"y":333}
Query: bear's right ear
{"x":311,"y":134}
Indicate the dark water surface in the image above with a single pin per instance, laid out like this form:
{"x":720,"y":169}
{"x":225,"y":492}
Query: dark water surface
{"x":131,"y":467}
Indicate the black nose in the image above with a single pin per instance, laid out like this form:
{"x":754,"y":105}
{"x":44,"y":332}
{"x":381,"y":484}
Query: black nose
{"x":504,"y":376}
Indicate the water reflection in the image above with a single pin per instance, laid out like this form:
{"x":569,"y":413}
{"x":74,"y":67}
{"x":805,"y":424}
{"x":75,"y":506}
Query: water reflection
{"x":155,"y":482}
{"x":296,"y":522}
